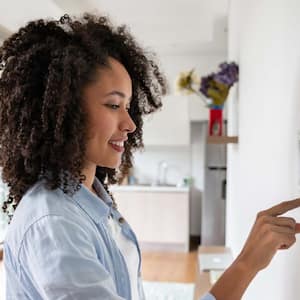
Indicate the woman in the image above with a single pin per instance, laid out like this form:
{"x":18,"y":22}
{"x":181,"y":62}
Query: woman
{"x":72,"y":95}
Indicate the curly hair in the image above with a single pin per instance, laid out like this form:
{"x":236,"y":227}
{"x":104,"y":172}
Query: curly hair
{"x":45,"y":67}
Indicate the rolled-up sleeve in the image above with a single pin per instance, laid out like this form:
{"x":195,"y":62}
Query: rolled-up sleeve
{"x":208,"y":297}
{"x":61,"y":261}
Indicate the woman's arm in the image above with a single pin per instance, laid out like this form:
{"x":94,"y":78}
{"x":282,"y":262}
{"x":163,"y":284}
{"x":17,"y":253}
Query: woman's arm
{"x":233,"y":283}
{"x":268,"y":234}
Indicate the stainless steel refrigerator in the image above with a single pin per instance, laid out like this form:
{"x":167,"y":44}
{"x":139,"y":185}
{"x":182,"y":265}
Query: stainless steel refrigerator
{"x":214,"y":196}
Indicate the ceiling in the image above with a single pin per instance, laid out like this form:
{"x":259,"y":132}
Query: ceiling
{"x":173,"y":27}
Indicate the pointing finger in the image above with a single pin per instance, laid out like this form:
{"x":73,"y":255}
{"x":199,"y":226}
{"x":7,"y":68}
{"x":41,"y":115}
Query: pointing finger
{"x":281,"y":208}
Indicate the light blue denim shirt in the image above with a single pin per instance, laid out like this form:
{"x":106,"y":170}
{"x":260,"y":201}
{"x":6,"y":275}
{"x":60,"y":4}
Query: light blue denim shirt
{"x":59,"y":247}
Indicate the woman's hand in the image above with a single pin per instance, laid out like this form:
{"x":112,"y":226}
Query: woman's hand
{"x":270,"y":233}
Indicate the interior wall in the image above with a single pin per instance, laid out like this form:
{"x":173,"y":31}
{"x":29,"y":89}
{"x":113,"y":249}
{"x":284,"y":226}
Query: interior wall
{"x":264,"y":111}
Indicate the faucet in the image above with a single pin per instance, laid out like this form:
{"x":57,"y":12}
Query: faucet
{"x":161,"y":173}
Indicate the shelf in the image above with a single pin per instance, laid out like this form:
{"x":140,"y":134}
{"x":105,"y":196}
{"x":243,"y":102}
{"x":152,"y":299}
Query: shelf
{"x":222,"y":140}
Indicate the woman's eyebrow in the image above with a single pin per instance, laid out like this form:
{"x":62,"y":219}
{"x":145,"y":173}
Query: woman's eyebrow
{"x":118,"y":93}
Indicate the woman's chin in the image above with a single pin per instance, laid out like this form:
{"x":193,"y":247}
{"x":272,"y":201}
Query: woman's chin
{"x":111,"y":165}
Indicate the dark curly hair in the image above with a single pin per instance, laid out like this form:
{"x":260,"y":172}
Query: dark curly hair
{"x":45,"y":67}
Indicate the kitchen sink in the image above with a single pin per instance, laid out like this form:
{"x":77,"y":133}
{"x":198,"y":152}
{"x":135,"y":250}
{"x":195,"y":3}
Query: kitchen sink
{"x":154,"y":185}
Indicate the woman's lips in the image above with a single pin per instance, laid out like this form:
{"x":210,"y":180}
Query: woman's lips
{"x":117,"y":148}
{"x":118,"y":144}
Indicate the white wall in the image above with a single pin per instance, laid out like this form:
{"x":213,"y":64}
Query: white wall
{"x":172,"y":65}
{"x":264,"y":38}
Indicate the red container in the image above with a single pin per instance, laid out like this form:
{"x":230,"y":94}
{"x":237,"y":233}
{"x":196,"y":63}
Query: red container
{"x":215,"y":121}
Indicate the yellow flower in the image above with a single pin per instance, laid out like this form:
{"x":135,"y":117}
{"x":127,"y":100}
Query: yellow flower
{"x":218,"y":92}
{"x":185,"y":82}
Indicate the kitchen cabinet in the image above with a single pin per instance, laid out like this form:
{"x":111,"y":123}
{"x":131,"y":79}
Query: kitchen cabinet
{"x":170,"y":125}
{"x":160,"y":218}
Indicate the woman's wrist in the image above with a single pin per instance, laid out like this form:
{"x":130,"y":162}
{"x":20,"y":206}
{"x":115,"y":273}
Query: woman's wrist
{"x":245,"y":265}
{"x":234,"y":281}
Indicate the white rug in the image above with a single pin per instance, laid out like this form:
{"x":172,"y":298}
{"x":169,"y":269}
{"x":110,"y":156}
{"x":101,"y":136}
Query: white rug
{"x":168,"y":290}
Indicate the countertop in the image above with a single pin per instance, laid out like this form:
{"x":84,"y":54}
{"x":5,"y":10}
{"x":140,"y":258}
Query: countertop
{"x":148,"y":188}
{"x":203,"y":284}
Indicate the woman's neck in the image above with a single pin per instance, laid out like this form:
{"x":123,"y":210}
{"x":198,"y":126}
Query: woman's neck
{"x":89,"y":173}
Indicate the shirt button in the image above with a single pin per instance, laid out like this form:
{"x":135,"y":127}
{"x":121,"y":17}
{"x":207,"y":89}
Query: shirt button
{"x":121,"y":220}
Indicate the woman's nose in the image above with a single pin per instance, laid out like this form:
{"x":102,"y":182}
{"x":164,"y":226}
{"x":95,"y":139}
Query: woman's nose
{"x":127,"y":124}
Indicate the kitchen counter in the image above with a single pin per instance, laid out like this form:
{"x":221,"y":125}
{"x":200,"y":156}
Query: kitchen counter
{"x":203,"y":284}
{"x":159,"y":215}
{"x":148,"y":188}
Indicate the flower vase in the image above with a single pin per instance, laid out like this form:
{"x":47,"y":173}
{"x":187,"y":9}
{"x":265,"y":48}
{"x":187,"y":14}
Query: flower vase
{"x":215,"y":120}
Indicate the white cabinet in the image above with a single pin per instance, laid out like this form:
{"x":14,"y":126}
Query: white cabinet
{"x":159,"y":219}
{"x":170,"y":125}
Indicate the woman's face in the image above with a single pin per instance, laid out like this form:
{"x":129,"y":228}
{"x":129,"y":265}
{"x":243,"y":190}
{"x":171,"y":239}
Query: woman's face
{"x":107,"y":101}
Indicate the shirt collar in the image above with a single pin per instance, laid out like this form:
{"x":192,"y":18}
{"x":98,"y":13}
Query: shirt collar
{"x":97,"y":208}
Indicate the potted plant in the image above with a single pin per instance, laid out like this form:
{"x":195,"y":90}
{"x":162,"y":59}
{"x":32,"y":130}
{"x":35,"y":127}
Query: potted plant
{"x":213,"y":89}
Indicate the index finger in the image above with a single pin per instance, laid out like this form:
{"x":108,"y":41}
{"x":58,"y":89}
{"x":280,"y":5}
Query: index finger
{"x":281,"y":208}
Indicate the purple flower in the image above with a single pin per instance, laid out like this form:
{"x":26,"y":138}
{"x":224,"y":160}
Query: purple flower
{"x":205,"y":84}
{"x":228,"y":74}
{"x":216,"y":86}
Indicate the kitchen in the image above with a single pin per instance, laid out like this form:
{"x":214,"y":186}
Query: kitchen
{"x":168,"y":182}
{"x":175,"y":181}
{"x":262,"y":169}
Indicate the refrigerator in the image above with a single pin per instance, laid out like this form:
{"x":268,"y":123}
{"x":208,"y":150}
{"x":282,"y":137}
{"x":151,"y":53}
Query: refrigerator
{"x":214,"y":196}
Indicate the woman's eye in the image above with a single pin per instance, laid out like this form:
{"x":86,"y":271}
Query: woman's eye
{"x":113,"y":106}
{"x":116,"y":106}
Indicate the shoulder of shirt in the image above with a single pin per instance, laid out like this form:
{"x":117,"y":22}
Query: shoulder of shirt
{"x":37,"y":203}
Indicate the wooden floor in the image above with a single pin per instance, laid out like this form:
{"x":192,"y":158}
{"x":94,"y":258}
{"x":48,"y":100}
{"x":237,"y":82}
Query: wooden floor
{"x":169,"y":266}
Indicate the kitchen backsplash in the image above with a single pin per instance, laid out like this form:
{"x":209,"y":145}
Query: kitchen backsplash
{"x":175,"y":161}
